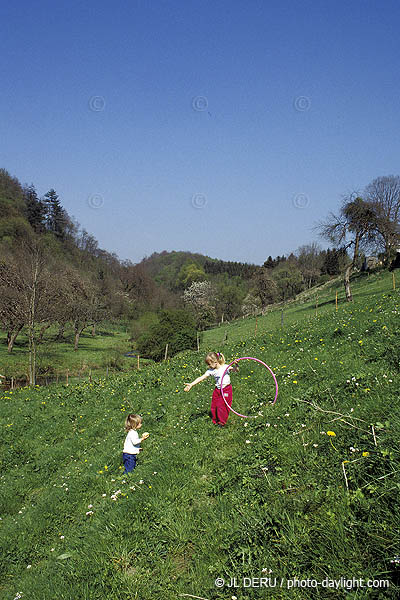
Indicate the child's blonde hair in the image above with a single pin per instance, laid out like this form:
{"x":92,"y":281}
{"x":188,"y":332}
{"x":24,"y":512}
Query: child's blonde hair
{"x":132,"y":421}
{"x":215,"y":356}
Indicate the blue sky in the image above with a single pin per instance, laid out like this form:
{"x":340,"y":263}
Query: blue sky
{"x":227,"y":128}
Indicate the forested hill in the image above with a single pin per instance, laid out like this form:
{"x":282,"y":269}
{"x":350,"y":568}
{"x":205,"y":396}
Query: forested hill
{"x":175,"y":269}
{"x":96,"y":286}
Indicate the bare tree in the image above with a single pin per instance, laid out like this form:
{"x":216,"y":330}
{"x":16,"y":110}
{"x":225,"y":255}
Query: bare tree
{"x":30,"y":287}
{"x":12,"y":315}
{"x":383,"y":194}
{"x":355,"y":227}
{"x":309,"y":261}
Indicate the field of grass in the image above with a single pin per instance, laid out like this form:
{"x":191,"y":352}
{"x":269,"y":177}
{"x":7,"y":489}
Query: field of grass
{"x":99,"y":353}
{"x":304,"y":493}
{"x":316,"y":301}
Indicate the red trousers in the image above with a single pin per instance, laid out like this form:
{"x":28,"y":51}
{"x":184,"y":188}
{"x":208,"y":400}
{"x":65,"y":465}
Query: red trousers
{"x":219,"y":410}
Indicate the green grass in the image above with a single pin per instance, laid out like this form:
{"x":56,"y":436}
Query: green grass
{"x":263,"y":494}
{"x":97,"y":354}
{"x":319,"y":300}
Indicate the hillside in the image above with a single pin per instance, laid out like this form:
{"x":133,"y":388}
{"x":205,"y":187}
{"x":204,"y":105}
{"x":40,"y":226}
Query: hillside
{"x":309,"y":489}
{"x":166,"y":267}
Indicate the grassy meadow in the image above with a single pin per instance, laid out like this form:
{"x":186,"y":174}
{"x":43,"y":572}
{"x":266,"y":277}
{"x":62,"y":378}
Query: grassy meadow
{"x":279,"y":505}
{"x":96,"y":353}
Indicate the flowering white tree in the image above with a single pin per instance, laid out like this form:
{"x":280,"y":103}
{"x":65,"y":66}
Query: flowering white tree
{"x":200,"y":297}
{"x":251,"y":305}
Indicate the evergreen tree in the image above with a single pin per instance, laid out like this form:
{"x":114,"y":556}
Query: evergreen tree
{"x":56,"y":217}
{"x":269,"y":263}
{"x":35,"y":209}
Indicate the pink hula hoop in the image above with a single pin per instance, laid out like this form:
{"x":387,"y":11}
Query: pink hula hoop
{"x":256,"y":360}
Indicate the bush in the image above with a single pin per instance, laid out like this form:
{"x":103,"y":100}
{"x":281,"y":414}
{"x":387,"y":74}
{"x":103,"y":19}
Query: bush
{"x":177,"y":328}
{"x":142,"y":325}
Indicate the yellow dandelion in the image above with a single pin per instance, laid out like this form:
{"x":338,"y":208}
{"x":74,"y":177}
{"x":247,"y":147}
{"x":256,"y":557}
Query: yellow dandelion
{"x":331,"y":433}
{"x":365,"y":453}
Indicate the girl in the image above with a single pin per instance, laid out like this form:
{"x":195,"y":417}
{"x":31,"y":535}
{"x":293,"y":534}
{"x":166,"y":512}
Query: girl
{"x":219,"y":410}
{"x":132,"y":441}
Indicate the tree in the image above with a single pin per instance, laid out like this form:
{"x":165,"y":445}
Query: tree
{"x":177,"y":328}
{"x":230,"y":296}
{"x":56,"y":217}
{"x":269,"y":263}
{"x":189,"y":273}
{"x":200,"y":297}
{"x":82,"y":305}
{"x":12,"y":315}
{"x":13,"y":223}
{"x":383,"y":194}
{"x":288,"y":279}
{"x":26,"y":279}
{"x":355,"y":226}
{"x":333,"y":261}
{"x":35,"y":209}
{"x":309,"y":261}
{"x":265,"y":286}
{"x":251,"y":304}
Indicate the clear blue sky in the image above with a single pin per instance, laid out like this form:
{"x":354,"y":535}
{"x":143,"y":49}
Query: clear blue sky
{"x":222,"y":127}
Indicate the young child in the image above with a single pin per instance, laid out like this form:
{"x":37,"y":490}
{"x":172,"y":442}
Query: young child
{"x":219,"y":410}
{"x":132,"y":441}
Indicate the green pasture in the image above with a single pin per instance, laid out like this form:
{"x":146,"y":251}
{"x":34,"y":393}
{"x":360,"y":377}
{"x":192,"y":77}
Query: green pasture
{"x":318,"y":301}
{"x":306,"y":491}
{"x":96,"y":353}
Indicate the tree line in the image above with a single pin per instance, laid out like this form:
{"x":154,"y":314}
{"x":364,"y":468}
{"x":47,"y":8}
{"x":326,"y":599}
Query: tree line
{"x":53,"y":273}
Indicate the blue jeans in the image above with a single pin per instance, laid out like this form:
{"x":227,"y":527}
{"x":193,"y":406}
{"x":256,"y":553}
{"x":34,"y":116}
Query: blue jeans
{"x":129,"y":461}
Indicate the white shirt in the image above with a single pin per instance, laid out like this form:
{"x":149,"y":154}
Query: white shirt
{"x":217,"y":374}
{"x":132,"y":441}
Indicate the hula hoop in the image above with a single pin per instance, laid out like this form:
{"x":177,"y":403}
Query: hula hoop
{"x":256,"y":360}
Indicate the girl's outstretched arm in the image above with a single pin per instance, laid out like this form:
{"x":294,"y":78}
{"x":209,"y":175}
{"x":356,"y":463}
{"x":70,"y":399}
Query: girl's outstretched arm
{"x":234,"y":368}
{"x":195,"y":382}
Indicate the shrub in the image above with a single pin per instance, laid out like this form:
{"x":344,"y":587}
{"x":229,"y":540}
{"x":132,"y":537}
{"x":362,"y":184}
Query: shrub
{"x":177,"y":328}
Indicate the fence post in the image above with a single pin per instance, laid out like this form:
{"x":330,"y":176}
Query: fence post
{"x":336,"y":301}
{"x":12,"y":383}
{"x":282,"y":317}
{"x":255,"y":329}
{"x":67,"y":377}
{"x":138,"y":362}
{"x":166,"y":352}
{"x":394,"y":281}
{"x":198,"y":342}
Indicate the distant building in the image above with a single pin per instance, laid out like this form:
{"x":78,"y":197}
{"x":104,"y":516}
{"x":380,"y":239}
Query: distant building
{"x":370,"y":262}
